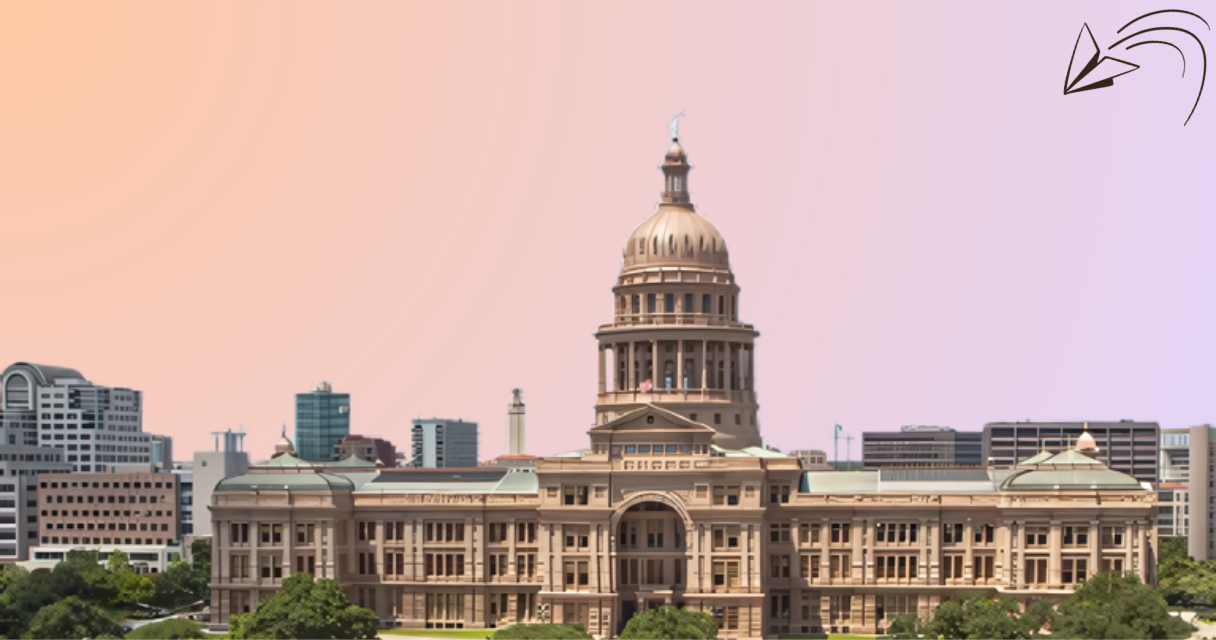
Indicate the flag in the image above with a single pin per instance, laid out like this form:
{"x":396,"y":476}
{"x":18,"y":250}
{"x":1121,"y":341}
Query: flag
{"x":645,"y":386}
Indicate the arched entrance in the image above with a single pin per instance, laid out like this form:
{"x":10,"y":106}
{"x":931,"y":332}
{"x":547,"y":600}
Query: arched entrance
{"x":651,"y":554}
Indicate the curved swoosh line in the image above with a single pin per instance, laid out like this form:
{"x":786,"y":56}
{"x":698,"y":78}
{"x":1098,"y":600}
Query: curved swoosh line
{"x":1153,"y":13}
{"x":1202,"y":79}
{"x":1133,"y":46}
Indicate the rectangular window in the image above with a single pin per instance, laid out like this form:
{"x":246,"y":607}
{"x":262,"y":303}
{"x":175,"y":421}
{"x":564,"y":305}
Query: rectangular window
{"x":952,"y":533}
{"x":705,"y":303}
{"x":1076,"y":537}
{"x":688,"y":303}
{"x":779,"y":533}
{"x":1112,"y":537}
{"x":1036,"y":537}
{"x":574,"y":495}
{"x":1036,"y":570}
{"x":779,"y":566}
{"x":841,"y":532}
{"x":650,"y":303}
{"x":810,"y":566}
{"x":840,"y":610}
{"x":726,"y":495}
{"x":984,"y":534}
{"x":1075,"y":570}
{"x":841,"y":565}
{"x":808,"y":534}
{"x":778,"y":493}
{"x":525,"y":532}
{"x":952,"y":567}
{"x":985,"y":567}
{"x":669,"y":303}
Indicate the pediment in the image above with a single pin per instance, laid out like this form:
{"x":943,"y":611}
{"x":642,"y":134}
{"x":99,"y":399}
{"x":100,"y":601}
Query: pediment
{"x":652,"y":418}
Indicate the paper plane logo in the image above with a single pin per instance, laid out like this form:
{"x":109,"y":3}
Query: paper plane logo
{"x":1089,"y":69}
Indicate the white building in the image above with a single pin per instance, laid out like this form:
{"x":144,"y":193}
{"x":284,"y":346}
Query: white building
{"x":208,"y":469}
{"x":439,"y":443}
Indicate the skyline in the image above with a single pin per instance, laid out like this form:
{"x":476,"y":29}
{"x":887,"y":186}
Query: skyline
{"x":428,"y":232}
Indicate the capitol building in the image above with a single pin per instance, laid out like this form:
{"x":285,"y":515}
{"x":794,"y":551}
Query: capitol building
{"x":675,"y":501}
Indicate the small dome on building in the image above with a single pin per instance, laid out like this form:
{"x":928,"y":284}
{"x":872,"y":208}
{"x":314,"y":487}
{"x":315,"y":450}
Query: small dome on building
{"x":324,"y":386}
{"x":1086,"y":442}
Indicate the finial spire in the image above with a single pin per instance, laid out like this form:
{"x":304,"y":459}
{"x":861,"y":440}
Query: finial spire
{"x":674,"y":125}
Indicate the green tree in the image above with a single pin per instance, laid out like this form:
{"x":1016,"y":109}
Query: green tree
{"x":1039,"y":615}
{"x":1110,"y":605}
{"x":670,"y":623}
{"x":73,"y":618}
{"x":200,"y":563}
{"x":305,"y":608}
{"x":176,"y":587}
{"x":12,"y":574}
{"x":171,"y":629}
{"x":905,"y":626}
{"x":948,"y":622}
{"x":119,"y":562}
{"x":542,"y":632}
{"x":989,"y":618}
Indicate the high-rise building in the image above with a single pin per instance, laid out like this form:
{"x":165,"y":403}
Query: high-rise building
{"x":99,"y":427}
{"x":516,"y":434}
{"x":676,"y":339}
{"x":922,"y":446}
{"x":439,"y":443}
{"x":1127,"y":445}
{"x":210,"y":467}
{"x":20,"y":465}
{"x":322,"y":419}
{"x":1185,"y":491}
{"x":162,"y":452}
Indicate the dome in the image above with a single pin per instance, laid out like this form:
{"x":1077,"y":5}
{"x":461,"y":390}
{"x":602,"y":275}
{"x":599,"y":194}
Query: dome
{"x":284,"y":444}
{"x":676,"y":236}
{"x":1086,"y":443}
{"x":324,"y":386}
{"x":675,"y":153}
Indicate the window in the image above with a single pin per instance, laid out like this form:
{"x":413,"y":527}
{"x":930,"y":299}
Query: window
{"x":895,"y":533}
{"x":983,"y":534}
{"x":444,"y":564}
{"x":1076,"y":537}
{"x":574,"y":495}
{"x":498,"y":564}
{"x":841,"y":532}
{"x":778,"y":493}
{"x":1075,"y":570}
{"x":840,"y":610}
{"x":895,"y":567}
{"x":654,"y":534}
{"x":985,"y":567}
{"x":444,"y":531}
{"x":1112,"y":564}
{"x":705,"y":308}
{"x":1112,"y":537}
{"x":779,"y":533}
{"x":271,"y":534}
{"x":808,"y":534}
{"x":576,"y":573}
{"x":577,"y":537}
{"x":497,"y":531}
{"x":725,"y":537}
{"x":779,"y":566}
{"x":1036,"y":536}
{"x":394,"y":531}
{"x":726,"y":573}
{"x":952,"y":567}
{"x":525,"y":565}
{"x":305,"y":533}
{"x":810,"y":565}
{"x":840,"y":565}
{"x":525,"y":532}
{"x":952,"y":532}
{"x":779,"y":608}
{"x":726,"y":495}
{"x":1036,"y":570}
{"x":688,"y":308}
{"x":239,"y":566}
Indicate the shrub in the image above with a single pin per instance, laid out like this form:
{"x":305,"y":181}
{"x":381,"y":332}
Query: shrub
{"x":171,"y":629}
{"x":670,"y":623}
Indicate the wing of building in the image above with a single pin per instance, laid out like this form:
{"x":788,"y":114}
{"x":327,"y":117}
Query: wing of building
{"x":675,"y":500}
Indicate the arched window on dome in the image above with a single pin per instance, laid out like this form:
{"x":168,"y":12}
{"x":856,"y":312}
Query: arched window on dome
{"x":671,"y":245}
{"x":637,"y":304}
{"x":714,"y":244}
{"x":721,"y":305}
{"x":721,"y":374}
{"x":655,"y":251}
{"x":734,"y":308}
{"x":701,"y":246}
{"x":687,"y":246}
{"x":641,"y":246}
{"x":705,"y":304}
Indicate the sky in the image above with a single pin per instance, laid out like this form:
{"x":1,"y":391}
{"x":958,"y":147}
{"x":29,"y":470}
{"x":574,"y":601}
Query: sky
{"x":425,"y":204}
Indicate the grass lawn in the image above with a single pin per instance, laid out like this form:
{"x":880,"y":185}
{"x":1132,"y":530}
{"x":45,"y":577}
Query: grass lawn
{"x":470,"y":634}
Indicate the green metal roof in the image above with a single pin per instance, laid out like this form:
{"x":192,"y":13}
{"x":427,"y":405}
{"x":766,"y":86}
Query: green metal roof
{"x":839,"y":482}
{"x":761,"y":452}
{"x":463,"y":482}
{"x":285,"y":481}
{"x":1080,"y":477}
{"x":285,"y":460}
{"x":1072,"y":457}
{"x":1037,"y":458}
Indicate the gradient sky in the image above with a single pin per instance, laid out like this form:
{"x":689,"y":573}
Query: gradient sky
{"x":222,"y":203}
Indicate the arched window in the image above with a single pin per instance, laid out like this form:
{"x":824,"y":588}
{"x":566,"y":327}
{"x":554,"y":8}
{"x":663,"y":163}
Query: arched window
{"x":721,"y":305}
{"x":655,"y":251}
{"x":641,"y":245}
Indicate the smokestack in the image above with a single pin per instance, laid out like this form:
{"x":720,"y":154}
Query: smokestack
{"x":516,"y":433}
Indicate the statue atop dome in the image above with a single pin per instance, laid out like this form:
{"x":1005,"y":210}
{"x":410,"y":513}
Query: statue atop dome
{"x":674,"y":125}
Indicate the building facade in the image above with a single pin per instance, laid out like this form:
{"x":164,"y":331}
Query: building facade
{"x":675,"y":501}
{"x":322,"y":419}
{"x":162,"y":452}
{"x":1127,"y":445}
{"x":922,"y":446}
{"x":1188,"y":475}
{"x":98,"y":427}
{"x":370,"y":449}
{"x":439,"y":443}
{"x":138,"y":513}
{"x":228,"y":459}
{"x":20,"y":465}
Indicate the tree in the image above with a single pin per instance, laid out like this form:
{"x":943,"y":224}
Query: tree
{"x":171,"y":629}
{"x":1111,"y":605}
{"x":1039,"y":614}
{"x":670,"y":623}
{"x":905,"y":626}
{"x":305,"y":608}
{"x":73,"y":618}
{"x":989,"y":618}
{"x":176,"y":587}
{"x":200,"y":562}
{"x":119,"y":562}
{"x":12,"y":574}
{"x":542,"y":632}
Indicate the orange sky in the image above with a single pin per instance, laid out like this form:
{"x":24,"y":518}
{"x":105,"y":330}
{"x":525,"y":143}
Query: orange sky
{"x":425,"y":203}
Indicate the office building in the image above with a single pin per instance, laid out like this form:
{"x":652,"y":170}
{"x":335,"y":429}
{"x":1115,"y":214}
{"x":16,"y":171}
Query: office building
{"x":1185,"y":493}
{"x":375,"y":450}
{"x":438,"y":443}
{"x":185,"y":478}
{"x":322,"y":419}
{"x":98,"y":427}
{"x":137,"y":513}
{"x":670,"y":506}
{"x":922,"y":446}
{"x":1127,"y":445}
{"x":228,"y":459}
{"x":516,"y":426}
{"x":812,"y":460}
{"x":20,"y":465}
{"x":162,"y":452}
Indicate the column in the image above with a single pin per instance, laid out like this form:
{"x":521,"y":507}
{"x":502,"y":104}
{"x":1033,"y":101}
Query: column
{"x":751,"y":367}
{"x":825,"y":551}
{"x":680,"y":364}
{"x":1095,"y":548}
{"x":602,"y":387}
{"x":1055,"y":542}
{"x":968,"y":554}
{"x":704,"y":363}
{"x":922,"y":553}
{"x":1129,"y":528}
{"x":329,"y":565}
{"x":726,"y":384}
{"x":255,"y":538}
{"x":860,"y":528}
{"x":1141,"y":564}
{"x":631,"y":373}
{"x":512,"y":536}
{"x":289,"y":542}
{"x":654,"y":364}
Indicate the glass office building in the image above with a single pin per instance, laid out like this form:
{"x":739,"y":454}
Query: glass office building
{"x":322,"y":419}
